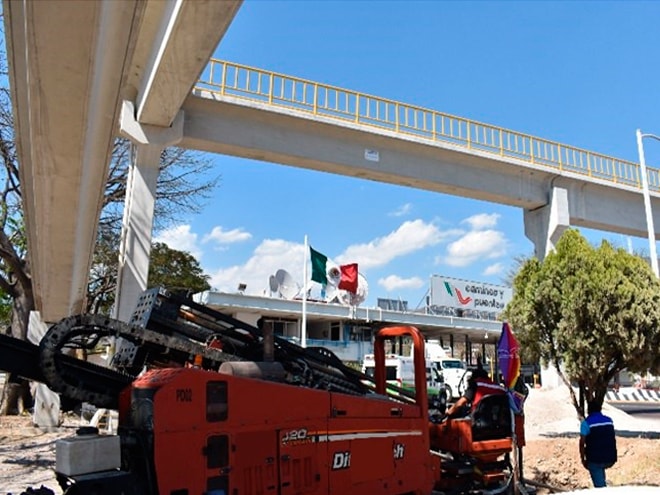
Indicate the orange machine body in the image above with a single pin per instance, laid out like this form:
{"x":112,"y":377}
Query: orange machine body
{"x":216,"y":433}
{"x":192,"y":431}
{"x":488,"y":451}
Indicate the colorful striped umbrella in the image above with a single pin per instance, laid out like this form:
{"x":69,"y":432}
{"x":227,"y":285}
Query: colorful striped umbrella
{"x":508,"y":356}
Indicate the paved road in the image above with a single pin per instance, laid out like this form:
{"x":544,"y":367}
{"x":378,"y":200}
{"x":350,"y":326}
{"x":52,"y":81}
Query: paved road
{"x":641,"y":410}
{"x":647,"y":412}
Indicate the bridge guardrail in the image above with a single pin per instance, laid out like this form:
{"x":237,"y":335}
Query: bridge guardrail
{"x":228,"y":78}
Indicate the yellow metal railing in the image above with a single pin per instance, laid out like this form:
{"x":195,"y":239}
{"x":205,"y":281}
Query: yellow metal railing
{"x":227,"y":78}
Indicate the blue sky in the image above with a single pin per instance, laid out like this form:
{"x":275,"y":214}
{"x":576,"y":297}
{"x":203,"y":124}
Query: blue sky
{"x":581,"y":73}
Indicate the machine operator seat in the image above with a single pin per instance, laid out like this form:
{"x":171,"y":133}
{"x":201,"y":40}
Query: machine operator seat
{"x":485,"y":433}
{"x":484,"y":437}
{"x":491,"y":419}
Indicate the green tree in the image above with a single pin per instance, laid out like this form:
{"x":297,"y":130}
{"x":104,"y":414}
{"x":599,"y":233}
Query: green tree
{"x":175,"y":270}
{"x":169,"y":268}
{"x":590,"y":312}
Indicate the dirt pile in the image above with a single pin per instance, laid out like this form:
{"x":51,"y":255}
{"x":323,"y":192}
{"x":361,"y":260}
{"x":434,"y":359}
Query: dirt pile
{"x":556,"y":462}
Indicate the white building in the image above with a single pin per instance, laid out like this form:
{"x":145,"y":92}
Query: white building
{"x":348,"y":330}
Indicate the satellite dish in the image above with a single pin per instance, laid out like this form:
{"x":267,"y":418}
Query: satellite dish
{"x":274,"y":285}
{"x":288,"y":287}
{"x":350,"y":299}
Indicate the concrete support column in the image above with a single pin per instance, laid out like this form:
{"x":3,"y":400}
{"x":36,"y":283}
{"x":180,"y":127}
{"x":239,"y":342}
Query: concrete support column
{"x":544,"y":226}
{"x":46,"y":402}
{"x":148,"y":144}
{"x":135,"y":246}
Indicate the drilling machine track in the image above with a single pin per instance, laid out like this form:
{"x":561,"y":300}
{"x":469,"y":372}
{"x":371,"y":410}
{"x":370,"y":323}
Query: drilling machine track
{"x":170,"y":330}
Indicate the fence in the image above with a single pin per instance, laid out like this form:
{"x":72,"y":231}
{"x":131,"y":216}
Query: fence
{"x":279,"y":90}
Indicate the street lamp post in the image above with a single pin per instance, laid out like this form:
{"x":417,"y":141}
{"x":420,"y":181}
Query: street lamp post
{"x":647,"y":199}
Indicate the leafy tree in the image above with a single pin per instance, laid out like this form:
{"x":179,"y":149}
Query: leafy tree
{"x":169,"y":268}
{"x":590,"y":312}
{"x":175,"y":270}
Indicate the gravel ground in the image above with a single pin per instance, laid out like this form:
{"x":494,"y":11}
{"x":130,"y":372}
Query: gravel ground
{"x":27,"y":454}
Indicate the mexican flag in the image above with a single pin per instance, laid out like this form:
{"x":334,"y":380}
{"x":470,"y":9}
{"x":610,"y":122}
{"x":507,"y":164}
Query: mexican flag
{"x":348,"y":274}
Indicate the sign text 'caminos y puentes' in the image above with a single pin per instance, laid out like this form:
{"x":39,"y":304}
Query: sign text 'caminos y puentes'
{"x":464,"y":294}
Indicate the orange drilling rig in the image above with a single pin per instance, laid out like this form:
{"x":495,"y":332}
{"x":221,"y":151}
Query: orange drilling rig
{"x":209,"y":405}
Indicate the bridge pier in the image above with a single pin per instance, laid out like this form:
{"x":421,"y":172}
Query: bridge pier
{"x":545,"y":225}
{"x":135,"y":248}
{"x":46,"y":402}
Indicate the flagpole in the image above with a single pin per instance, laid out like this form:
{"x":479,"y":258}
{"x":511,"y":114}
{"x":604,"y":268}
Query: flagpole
{"x":303,"y":329}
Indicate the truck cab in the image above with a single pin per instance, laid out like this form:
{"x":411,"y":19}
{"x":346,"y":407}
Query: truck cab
{"x":448,"y":371}
{"x":451,"y":373}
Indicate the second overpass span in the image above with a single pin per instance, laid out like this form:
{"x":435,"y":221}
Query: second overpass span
{"x":258,"y":114}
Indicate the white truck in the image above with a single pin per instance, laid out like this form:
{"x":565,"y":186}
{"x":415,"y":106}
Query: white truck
{"x":400,"y":371}
{"x":442,"y":371}
{"x":450,"y":372}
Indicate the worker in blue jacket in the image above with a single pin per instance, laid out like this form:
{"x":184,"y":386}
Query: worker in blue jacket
{"x":597,"y":443}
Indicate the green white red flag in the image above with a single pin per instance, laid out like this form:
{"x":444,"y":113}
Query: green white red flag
{"x":348,"y":274}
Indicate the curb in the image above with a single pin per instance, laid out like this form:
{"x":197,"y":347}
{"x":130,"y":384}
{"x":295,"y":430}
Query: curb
{"x":633,"y":395}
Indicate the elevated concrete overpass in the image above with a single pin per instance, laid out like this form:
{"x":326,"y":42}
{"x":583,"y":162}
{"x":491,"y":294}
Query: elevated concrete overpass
{"x":258,"y":114}
{"x":71,"y":65}
{"x":84,"y":72}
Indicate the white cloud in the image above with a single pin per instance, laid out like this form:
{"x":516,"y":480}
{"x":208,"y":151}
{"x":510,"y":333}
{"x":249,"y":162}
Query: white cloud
{"x":476,"y":245}
{"x":411,"y":236}
{"x":401,"y":210}
{"x":482,"y":220}
{"x":273,"y":254}
{"x":221,"y":236}
{"x":181,"y":239}
{"x":494,"y":269}
{"x":394,"y":282}
{"x":268,"y":257}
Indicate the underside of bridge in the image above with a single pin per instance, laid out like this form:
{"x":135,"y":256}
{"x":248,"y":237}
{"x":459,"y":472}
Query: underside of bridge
{"x":71,"y":65}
